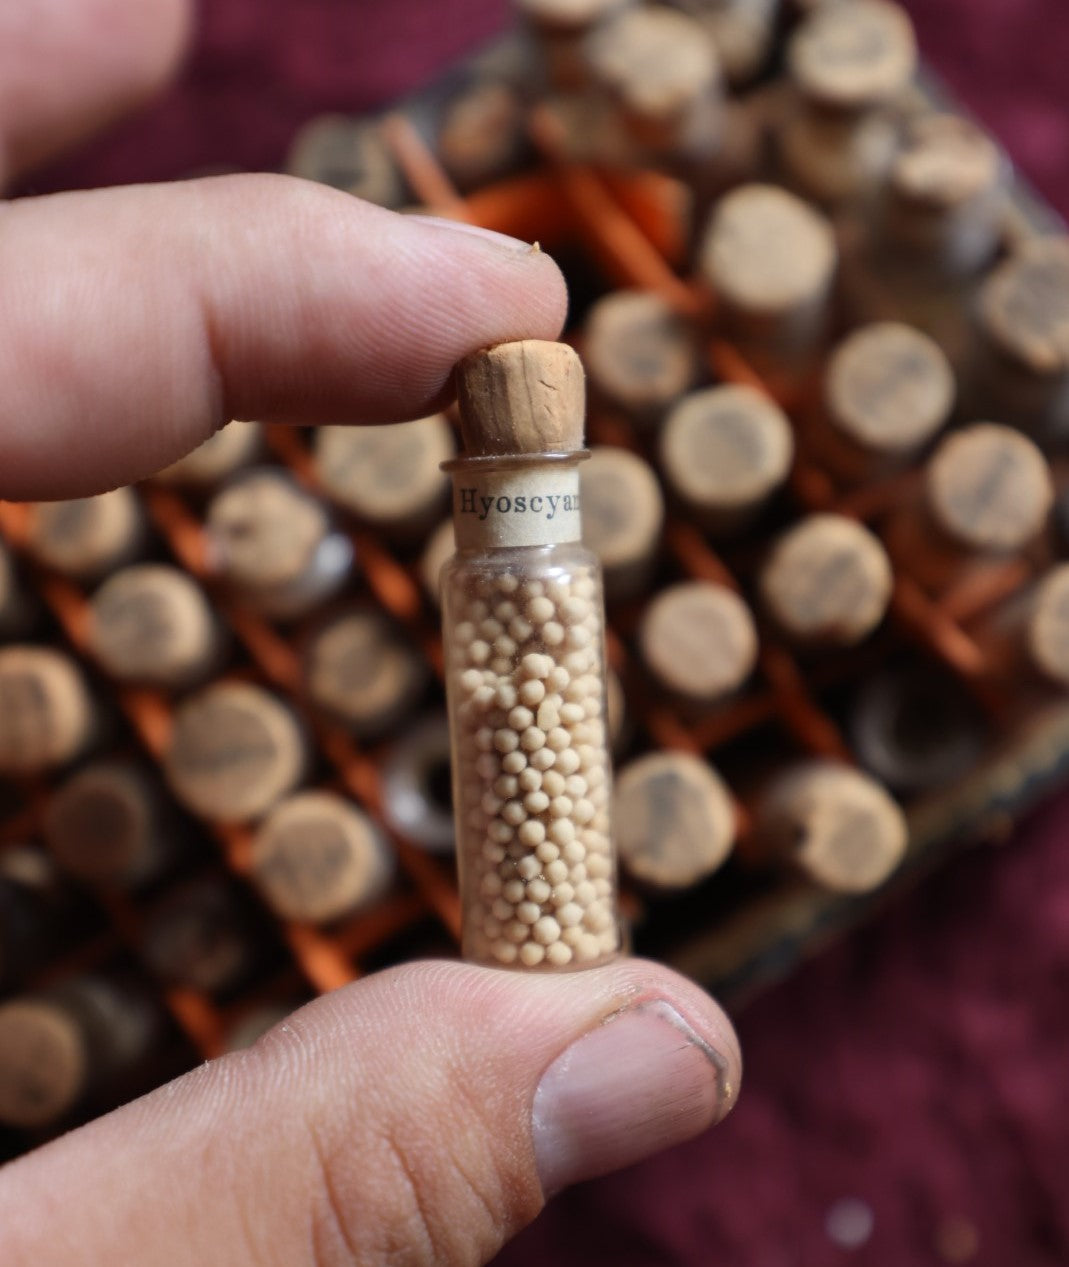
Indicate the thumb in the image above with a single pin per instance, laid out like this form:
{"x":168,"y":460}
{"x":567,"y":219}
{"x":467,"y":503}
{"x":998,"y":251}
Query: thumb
{"x":420,"y":1116}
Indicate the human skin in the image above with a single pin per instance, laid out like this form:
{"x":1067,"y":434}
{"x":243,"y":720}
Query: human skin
{"x":425,"y":1114}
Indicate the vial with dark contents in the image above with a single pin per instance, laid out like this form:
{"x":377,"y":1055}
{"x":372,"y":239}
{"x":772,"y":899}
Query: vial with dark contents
{"x":523,"y":622}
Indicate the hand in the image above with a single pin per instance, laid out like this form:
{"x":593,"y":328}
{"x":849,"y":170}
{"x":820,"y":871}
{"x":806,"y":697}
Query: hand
{"x":422,"y":1115}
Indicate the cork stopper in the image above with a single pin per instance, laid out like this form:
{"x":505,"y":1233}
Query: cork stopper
{"x":1047,"y":633}
{"x":44,"y":1063}
{"x":316,"y":858}
{"x":200,"y":937}
{"x":348,"y":154}
{"x":88,"y":536}
{"x":103,"y":826}
{"x":265,"y":530}
{"x":46,"y":716}
{"x":639,"y":353}
{"x":440,"y":548}
{"x":525,"y":397}
{"x":827,"y":580}
{"x":571,"y":15}
{"x":725,"y":450}
{"x":656,"y":61}
{"x":839,"y":827}
{"x":623,"y":512}
{"x":944,"y":162}
{"x":698,"y":640}
{"x":889,"y":388}
{"x":388,"y":475}
{"x":235,"y":749}
{"x":674,"y":817}
{"x":854,"y":56}
{"x":151,"y":624}
{"x":989,"y":488}
{"x":482,"y":133}
{"x":767,"y":252}
{"x":1024,"y":306}
{"x":232,"y":447}
{"x":361,"y":669}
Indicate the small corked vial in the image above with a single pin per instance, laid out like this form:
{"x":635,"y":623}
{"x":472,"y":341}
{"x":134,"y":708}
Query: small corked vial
{"x":560,"y":26}
{"x":623,"y":514}
{"x":725,"y":452}
{"x":675,"y":819}
{"x":349,"y":154}
{"x":482,"y":134}
{"x":640,"y":355}
{"x":316,"y":858}
{"x":915,"y":728}
{"x":274,"y":544}
{"x":836,"y":826}
{"x":827,"y":581}
{"x":204,"y":936}
{"x":1020,"y":364}
{"x":1025,"y":641}
{"x":236,"y":445}
{"x":741,"y":31}
{"x":888,"y":390}
{"x":417,"y":800}
{"x":524,"y":632}
{"x":361,"y":668}
{"x":987,"y":495}
{"x":152,"y":625}
{"x":388,"y":476}
{"x":47,"y":717}
{"x":661,"y":71}
{"x":945,"y":197}
{"x":848,"y":66}
{"x":234,"y":750}
{"x":76,"y":1044}
{"x":110,"y":825}
{"x":88,"y":537}
{"x":440,"y":548}
{"x":771,"y":260}
{"x":699,"y":643}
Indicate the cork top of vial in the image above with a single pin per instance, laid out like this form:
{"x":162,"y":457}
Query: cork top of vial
{"x":265,"y":529}
{"x":766,"y":251}
{"x":623,"y":510}
{"x":231,"y":447}
{"x":989,"y":488}
{"x":101,"y":825}
{"x":843,"y":830}
{"x":945,"y":161}
{"x":46,"y":715}
{"x":889,"y":387}
{"x":1024,"y":306}
{"x":519,"y":398}
{"x":726,"y":448}
{"x":851,"y":56}
{"x":568,"y":14}
{"x":828,"y":579}
{"x":699,"y":640}
{"x":86,"y":536}
{"x":674,"y":819}
{"x":316,"y":857}
{"x":44,"y":1063}
{"x":234,"y":750}
{"x":656,"y":61}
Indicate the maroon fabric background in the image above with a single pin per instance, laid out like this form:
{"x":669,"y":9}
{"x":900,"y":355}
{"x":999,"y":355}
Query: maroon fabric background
{"x":921,"y":1066}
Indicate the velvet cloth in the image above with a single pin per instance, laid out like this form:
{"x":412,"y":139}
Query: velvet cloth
{"x":921,"y":1067}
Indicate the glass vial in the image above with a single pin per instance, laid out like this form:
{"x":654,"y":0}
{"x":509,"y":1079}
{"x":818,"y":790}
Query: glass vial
{"x":524,"y":630}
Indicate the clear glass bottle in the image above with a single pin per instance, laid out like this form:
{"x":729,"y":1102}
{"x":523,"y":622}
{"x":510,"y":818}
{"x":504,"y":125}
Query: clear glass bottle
{"x":524,"y":632}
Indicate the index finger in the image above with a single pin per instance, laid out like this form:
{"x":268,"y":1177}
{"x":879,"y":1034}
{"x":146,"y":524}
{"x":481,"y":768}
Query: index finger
{"x":134,"y":322}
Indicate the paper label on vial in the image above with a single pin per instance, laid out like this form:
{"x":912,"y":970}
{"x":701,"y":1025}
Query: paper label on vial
{"x":522,"y":507}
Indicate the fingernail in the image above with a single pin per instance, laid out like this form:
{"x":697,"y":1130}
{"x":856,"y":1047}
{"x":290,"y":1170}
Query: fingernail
{"x":641,"y":1082}
{"x":476,"y":231}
